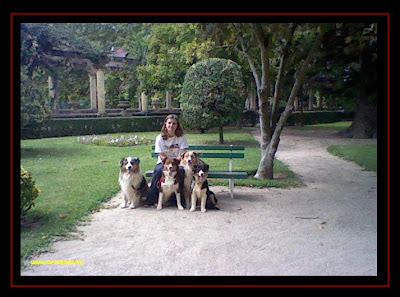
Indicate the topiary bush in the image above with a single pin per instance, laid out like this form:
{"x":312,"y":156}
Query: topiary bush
{"x":212,"y":94}
{"x":29,"y":191}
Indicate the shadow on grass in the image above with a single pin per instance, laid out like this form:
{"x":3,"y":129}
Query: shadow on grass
{"x":29,"y":153}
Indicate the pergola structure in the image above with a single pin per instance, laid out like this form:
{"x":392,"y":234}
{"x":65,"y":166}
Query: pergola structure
{"x":95,"y":71}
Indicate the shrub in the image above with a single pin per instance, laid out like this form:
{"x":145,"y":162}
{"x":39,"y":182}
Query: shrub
{"x":34,"y":114}
{"x":212,"y":94}
{"x":29,"y":191}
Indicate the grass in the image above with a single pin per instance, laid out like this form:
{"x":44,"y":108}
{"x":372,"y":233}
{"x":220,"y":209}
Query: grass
{"x":75,"y":178}
{"x":363,"y":155}
{"x":338,"y":126}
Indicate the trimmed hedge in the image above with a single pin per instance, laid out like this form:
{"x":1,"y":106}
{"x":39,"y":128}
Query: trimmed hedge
{"x":104,"y":125}
{"x":250,"y":117}
{"x":89,"y":126}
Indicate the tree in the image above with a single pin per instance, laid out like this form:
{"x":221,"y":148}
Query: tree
{"x":261,"y":43}
{"x":350,"y":57}
{"x":171,"y":49}
{"x":212,"y":94}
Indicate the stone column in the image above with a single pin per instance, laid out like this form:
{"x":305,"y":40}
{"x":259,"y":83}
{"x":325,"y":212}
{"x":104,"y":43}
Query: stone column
{"x":310,"y":99}
{"x":168,"y":100}
{"x":144,"y":101}
{"x":93,"y":90}
{"x":52,"y":93}
{"x":101,"y":99}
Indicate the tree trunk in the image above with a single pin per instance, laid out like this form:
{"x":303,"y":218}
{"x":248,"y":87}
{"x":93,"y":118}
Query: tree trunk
{"x":365,"y":120}
{"x":221,"y":134}
{"x":266,"y":166}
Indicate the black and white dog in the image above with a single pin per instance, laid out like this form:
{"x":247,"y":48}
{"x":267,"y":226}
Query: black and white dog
{"x":133,"y":184}
{"x":201,"y":190}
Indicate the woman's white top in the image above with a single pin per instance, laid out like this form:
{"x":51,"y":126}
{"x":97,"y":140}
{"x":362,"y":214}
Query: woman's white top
{"x":171,"y":147}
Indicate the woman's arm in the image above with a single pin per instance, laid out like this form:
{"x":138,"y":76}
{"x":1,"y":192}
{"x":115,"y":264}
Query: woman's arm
{"x":162,"y":155}
{"x":181,"y":153}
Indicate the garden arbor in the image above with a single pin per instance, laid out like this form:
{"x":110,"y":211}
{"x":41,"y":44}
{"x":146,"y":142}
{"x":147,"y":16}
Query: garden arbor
{"x":95,"y":71}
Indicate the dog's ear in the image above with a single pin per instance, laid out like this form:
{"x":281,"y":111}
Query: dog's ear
{"x":137,"y":159}
{"x":177,"y":162}
{"x":206,"y":167}
{"x":121,"y":161}
{"x":164,"y":159}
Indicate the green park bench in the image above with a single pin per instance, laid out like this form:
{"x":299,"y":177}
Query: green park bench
{"x":203,"y":151}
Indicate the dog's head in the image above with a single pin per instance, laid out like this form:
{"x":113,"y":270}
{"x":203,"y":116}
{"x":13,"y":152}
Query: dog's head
{"x":190,"y":158}
{"x":130,"y":164}
{"x":170,"y":166}
{"x":201,"y":171}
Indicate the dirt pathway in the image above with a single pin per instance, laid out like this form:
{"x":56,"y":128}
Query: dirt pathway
{"x":328,"y":227}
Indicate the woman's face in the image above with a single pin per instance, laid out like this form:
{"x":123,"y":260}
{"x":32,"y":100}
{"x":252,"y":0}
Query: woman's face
{"x":171,"y":125}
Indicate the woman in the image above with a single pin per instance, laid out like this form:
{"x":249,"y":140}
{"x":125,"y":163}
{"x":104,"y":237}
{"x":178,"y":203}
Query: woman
{"x":171,"y":143}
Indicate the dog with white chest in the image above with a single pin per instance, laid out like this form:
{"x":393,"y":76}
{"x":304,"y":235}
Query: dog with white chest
{"x":133,"y":183}
{"x":169,"y":182}
{"x":201,"y":190}
{"x":189,"y":160}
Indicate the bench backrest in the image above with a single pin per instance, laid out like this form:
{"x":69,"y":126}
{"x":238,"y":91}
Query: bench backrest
{"x":225,"y":155}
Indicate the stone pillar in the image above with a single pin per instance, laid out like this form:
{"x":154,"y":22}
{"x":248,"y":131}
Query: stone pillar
{"x":93,"y":90}
{"x":168,"y":100}
{"x":310,"y":99}
{"x":101,"y":99}
{"x":144,"y":100}
{"x":320,"y":99}
{"x":52,"y":93}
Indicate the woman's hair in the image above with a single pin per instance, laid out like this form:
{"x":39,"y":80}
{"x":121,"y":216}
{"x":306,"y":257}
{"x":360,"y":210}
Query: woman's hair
{"x":179,"y":130}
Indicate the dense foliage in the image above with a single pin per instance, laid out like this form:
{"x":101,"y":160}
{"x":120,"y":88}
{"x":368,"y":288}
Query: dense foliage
{"x":212,"y":94}
{"x":343,"y":72}
{"x":29,"y":191}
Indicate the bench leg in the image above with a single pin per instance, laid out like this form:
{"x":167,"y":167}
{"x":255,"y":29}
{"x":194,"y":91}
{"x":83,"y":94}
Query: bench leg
{"x":231,"y":186}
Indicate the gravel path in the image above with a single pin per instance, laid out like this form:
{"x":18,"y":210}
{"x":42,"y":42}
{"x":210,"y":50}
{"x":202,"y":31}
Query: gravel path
{"x":328,"y":227}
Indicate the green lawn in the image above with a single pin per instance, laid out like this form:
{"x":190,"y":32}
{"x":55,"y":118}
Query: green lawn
{"x":363,"y":155}
{"x":75,"y":178}
{"x":338,"y":126}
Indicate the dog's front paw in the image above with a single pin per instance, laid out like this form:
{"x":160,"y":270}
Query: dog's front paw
{"x":159,"y":207}
{"x":192,"y":209}
{"x":203,"y":210}
{"x":180,"y":207}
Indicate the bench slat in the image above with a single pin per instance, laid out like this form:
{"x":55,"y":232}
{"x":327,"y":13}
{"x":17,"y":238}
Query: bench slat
{"x":228,"y":174}
{"x":214,"y":155}
{"x":214,"y":147}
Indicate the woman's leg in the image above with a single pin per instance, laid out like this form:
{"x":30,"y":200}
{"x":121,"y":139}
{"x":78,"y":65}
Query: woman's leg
{"x":152,"y":196}
{"x":181,"y":176}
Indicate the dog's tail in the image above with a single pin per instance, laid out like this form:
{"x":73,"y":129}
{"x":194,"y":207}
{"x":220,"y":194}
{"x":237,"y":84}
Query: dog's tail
{"x":212,"y":201}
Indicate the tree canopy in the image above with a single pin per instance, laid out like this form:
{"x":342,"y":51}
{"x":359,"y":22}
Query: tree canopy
{"x":165,"y":51}
{"x":212,"y":94}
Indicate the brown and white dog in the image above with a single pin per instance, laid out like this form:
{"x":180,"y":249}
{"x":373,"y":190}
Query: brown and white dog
{"x":201,"y":190}
{"x":188,"y":161}
{"x":133,"y":184}
{"x":169,"y":183}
